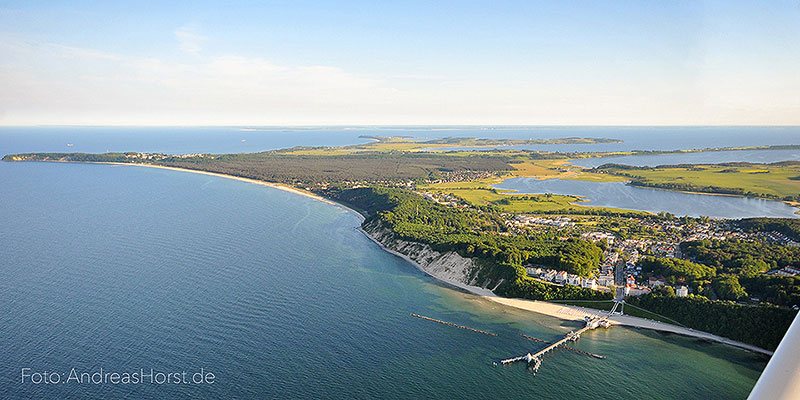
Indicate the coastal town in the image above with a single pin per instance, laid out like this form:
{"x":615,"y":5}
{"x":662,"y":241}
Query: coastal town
{"x":620,"y":267}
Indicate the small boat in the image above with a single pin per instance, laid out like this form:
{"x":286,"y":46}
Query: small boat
{"x":70,"y":144}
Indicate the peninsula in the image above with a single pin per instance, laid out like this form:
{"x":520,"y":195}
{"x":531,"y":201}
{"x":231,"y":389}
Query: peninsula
{"x":439,"y":210}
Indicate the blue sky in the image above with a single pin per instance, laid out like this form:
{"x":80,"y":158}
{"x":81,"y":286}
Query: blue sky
{"x":465,"y":62}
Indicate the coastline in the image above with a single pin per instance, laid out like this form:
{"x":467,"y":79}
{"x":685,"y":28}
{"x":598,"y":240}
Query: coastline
{"x":560,"y":311}
{"x":279,"y":186}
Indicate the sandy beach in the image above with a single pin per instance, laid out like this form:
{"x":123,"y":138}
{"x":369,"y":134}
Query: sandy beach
{"x":561,"y":311}
{"x":280,"y":186}
{"x":574,"y":313}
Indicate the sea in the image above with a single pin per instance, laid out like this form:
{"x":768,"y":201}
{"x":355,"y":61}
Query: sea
{"x":215,"y":288}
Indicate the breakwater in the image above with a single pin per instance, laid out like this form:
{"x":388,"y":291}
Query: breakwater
{"x":438,"y":321}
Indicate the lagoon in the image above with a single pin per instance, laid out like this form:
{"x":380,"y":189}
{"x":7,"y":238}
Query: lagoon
{"x":622,"y":195}
{"x":705,"y":157}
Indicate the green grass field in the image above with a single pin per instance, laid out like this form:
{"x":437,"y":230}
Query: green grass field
{"x":480,"y":193}
{"x":766,"y":180}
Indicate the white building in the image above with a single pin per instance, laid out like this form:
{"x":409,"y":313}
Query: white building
{"x":574,"y":280}
{"x":682,"y":291}
{"x":605,"y":280}
{"x":533,"y":271}
{"x":549,"y":275}
{"x":590,"y":284}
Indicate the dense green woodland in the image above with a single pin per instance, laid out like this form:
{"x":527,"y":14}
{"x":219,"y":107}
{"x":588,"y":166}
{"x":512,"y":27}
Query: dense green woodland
{"x":763,"y":326}
{"x":747,"y":261}
{"x":676,"y":270}
{"x":277,"y":166}
{"x":476,"y":233}
{"x":787,"y":226}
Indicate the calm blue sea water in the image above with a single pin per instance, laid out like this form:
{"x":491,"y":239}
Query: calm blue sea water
{"x":280,"y":296}
{"x":235,"y":140}
{"x":123,"y":268}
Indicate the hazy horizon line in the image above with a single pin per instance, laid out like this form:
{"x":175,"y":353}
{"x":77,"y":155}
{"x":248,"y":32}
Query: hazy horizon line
{"x":255,"y":126}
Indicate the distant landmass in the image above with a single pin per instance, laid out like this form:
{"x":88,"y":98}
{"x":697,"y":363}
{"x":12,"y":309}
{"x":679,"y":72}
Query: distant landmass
{"x":483,"y":142}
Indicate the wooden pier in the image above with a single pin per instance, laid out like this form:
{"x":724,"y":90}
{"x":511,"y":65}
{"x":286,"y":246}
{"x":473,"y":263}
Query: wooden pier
{"x":535,"y":360}
{"x":565,"y":347}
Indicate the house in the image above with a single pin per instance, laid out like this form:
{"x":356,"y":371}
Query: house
{"x":549,"y":275}
{"x":605,"y":280}
{"x":630,"y":281}
{"x":560,"y":277}
{"x":636,"y":291}
{"x":532,"y":271}
{"x":682,"y":291}
{"x":598,"y":236}
{"x":574,"y":280}
{"x":590,"y":284}
{"x":656,"y":282}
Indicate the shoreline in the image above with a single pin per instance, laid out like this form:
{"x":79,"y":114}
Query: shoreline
{"x":585,"y":199}
{"x":560,"y":311}
{"x":279,"y":186}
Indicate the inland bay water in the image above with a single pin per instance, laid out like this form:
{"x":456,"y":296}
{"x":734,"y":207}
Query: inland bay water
{"x":279,"y":296}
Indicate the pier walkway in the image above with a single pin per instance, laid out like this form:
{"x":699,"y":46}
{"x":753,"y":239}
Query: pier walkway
{"x":534,"y":360}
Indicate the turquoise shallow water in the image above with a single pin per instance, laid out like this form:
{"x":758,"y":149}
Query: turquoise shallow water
{"x":280,"y":296}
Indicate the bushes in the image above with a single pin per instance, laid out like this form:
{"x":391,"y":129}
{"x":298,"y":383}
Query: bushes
{"x":727,"y":287}
{"x":734,"y":255}
{"x":579,"y":257}
{"x":528,"y":288}
{"x":676,"y":269}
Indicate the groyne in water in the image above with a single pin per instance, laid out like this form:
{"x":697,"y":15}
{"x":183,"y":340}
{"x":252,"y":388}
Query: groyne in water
{"x":415,"y":315}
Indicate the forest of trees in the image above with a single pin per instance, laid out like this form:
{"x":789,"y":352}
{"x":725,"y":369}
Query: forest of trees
{"x":676,"y":270}
{"x":787,"y":226}
{"x":744,"y":262}
{"x":310,"y":170}
{"x":741,"y":257}
{"x":476,"y":233}
{"x":703,"y":279}
{"x":762,"y":325}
